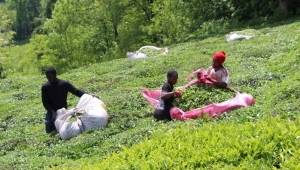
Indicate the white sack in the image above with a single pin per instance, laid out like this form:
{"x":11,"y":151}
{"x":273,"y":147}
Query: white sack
{"x":67,"y":129}
{"x":94,"y":116}
{"x":131,"y":55}
{"x":233,"y":36}
{"x":138,"y":54}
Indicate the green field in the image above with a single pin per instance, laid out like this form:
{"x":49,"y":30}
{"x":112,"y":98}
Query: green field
{"x":263,"y":136}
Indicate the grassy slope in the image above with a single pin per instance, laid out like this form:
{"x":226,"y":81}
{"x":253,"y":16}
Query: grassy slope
{"x":265,"y":66}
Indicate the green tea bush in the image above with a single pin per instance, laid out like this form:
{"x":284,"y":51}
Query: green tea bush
{"x":201,"y":95}
{"x":269,"y":143}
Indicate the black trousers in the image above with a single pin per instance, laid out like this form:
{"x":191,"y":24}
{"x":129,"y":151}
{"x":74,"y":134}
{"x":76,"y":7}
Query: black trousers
{"x":162,"y":114}
{"x":49,"y":123}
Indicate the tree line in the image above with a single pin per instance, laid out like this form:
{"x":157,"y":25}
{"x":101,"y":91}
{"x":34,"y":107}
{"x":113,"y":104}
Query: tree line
{"x":69,"y":33}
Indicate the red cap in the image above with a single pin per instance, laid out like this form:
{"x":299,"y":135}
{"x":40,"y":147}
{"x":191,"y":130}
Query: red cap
{"x":220,"y":56}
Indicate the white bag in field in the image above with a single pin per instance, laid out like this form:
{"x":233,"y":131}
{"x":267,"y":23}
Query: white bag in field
{"x":138,"y":54}
{"x":94,"y":116}
{"x":67,"y":129}
{"x":234,"y":36}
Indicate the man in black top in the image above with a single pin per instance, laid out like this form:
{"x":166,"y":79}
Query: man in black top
{"x":54,"y":96}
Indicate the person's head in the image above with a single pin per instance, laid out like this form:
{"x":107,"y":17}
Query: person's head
{"x":172,"y":77}
{"x":218,"y":59}
{"x":51,"y":74}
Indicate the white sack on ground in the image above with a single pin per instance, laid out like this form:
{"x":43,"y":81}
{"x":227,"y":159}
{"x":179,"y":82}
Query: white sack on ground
{"x":67,"y":129}
{"x":138,"y":54}
{"x":234,"y":36}
{"x":131,"y":55}
{"x":94,"y":116}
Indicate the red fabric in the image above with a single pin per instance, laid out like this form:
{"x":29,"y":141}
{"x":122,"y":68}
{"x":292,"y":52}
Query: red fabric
{"x":200,"y":79}
{"x":151,"y":96}
{"x":220,"y":56}
{"x":240,"y":100}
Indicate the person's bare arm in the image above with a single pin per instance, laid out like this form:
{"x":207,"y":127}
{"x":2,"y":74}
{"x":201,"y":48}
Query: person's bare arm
{"x":221,"y":84}
{"x":218,"y":84}
{"x":166,"y":95}
{"x":232,"y":89}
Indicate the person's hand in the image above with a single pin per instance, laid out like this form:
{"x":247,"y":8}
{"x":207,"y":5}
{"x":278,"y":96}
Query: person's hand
{"x":178,"y":94}
{"x":208,"y":77}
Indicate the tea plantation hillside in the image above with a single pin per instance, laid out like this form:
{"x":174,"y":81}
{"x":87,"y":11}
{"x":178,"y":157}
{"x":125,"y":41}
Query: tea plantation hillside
{"x":263,"y":136}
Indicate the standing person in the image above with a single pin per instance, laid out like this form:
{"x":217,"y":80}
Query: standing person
{"x":162,"y":110}
{"x":217,"y":73}
{"x":54,"y":96}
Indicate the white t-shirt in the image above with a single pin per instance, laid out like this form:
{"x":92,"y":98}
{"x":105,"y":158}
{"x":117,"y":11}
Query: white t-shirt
{"x":220,"y":76}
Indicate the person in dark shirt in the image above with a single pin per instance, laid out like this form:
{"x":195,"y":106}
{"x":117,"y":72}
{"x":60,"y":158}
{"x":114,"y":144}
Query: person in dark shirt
{"x":54,"y":96}
{"x":162,"y":110}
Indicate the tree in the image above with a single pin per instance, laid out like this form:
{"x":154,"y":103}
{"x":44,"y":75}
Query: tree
{"x":138,"y":14}
{"x":6,"y":35}
{"x":171,"y":22}
{"x":26,"y":12}
{"x":79,"y":32}
{"x":49,"y":8}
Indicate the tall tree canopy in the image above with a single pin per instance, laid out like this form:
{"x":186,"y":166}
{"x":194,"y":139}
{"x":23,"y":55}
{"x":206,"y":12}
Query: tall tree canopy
{"x":26,"y":12}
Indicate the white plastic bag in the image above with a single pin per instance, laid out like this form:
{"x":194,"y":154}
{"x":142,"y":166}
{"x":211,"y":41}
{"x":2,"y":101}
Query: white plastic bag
{"x":138,"y":54}
{"x":94,"y":116}
{"x":67,"y":129}
{"x":233,"y":36}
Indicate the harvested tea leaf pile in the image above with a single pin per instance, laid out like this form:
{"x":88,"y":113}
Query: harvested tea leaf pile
{"x":202,"y":95}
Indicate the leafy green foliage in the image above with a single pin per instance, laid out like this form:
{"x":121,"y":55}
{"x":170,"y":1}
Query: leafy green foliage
{"x":6,"y":35}
{"x":202,"y":95}
{"x":268,"y":143}
{"x":26,"y":12}
{"x":264,"y":135}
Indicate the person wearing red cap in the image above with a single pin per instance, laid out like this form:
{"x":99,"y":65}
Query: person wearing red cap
{"x":217,"y":73}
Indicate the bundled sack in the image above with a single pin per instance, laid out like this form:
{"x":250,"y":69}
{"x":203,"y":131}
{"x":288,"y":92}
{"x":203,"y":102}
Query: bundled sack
{"x":138,"y":54}
{"x":94,"y":115}
{"x":234,"y":36}
{"x":67,"y":129}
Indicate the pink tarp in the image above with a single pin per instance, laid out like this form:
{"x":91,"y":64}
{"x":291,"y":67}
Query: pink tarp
{"x":240,"y":100}
{"x":200,"y":79}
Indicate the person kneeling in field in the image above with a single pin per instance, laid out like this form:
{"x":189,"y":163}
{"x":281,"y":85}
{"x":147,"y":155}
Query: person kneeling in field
{"x":217,"y":73}
{"x":94,"y":115}
{"x":162,"y":109}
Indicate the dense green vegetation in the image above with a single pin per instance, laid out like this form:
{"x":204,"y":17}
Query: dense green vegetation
{"x":264,"y":135}
{"x":87,"y":42}
{"x":71,"y":34}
